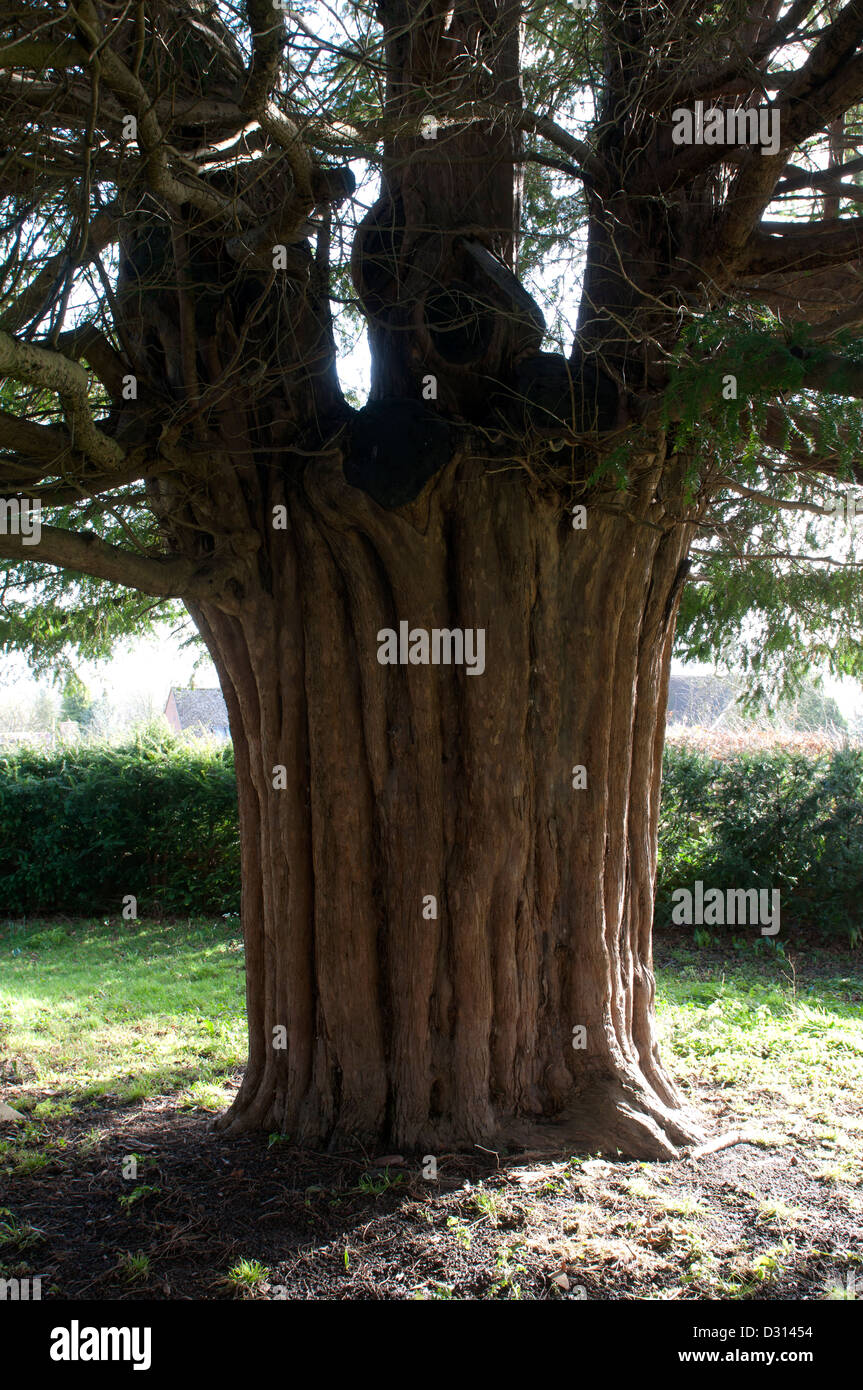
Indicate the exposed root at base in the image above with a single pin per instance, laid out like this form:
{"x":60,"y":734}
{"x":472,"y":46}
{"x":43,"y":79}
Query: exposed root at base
{"x":612,"y":1118}
{"x":609,"y":1117}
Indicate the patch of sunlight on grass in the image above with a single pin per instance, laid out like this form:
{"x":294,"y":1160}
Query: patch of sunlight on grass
{"x":789,"y":1059}
{"x":637,"y":1187}
{"x":776,"y":1212}
{"x":752,"y":1031}
{"x":205,"y":1095}
{"x":128,"y":1011}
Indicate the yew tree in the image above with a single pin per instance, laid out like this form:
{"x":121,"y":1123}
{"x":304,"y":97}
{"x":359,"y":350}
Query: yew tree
{"x":601,"y":335}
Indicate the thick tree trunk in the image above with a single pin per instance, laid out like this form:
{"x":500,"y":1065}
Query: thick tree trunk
{"x":447,"y":932}
{"x":405,"y":783}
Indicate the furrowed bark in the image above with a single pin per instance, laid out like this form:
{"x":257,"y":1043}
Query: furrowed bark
{"x":405,"y":782}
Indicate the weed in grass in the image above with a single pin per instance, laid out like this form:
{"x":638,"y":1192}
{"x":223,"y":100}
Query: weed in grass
{"x":247,"y":1275}
{"x":838,"y":1289}
{"x":776,"y":1213}
{"x":637,"y":1187}
{"x":692,"y":1245}
{"x":25,"y":1161}
{"x":53,"y":1109}
{"x":460,"y":1231}
{"x":373,"y":1185}
{"x":551,"y":1187}
{"x":89,"y":1143}
{"x":766,"y":1138}
{"x":702,"y":1270}
{"x":490,"y":1205}
{"x":16,"y":1235}
{"x":138,"y":1194}
{"x":142,"y":1161}
{"x":134,"y":1267}
{"x":505,"y":1285}
{"x":833,"y":1173}
{"x":204,"y":1095}
{"x":685,"y":1204}
{"x":767,"y":1266}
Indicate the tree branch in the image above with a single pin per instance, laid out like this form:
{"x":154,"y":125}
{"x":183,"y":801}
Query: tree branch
{"x":267,"y":27}
{"x":783,"y":246}
{"x":89,"y":342}
{"x":777,"y":503}
{"x":35,"y":366}
{"x":46,"y":442}
{"x":41,"y":54}
{"x":745,"y":63}
{"x":103,"y":229}
{"x":591,"y":168}
{"x":86,"y":553}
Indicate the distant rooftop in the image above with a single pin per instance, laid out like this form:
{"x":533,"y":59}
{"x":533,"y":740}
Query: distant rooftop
{"x":197,"y":712}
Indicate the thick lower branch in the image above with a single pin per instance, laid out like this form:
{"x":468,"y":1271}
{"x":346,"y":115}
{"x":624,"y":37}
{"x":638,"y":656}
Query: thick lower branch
{"x":85,"y":553}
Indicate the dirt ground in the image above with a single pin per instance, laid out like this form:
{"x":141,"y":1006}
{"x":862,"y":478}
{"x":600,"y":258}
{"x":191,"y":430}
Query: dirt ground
{"x":198,"y":1216}
{"x":329,"y":1227}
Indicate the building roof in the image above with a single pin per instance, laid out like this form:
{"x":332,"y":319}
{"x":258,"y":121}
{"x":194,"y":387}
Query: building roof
{"x":201,"y":708}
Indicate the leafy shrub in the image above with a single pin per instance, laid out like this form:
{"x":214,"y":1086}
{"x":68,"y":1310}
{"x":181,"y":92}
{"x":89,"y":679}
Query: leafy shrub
{"x":80,"y":829}
{"x":767,"y":819}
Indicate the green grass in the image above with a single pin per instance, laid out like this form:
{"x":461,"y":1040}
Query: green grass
{"x":246,"y":1275}
{"x":16,"y":1236}
{"x":134,"y":1267}
{"x":125,"y":1010}
{"x":795,"y":1049}
{"x":93,"y":1009}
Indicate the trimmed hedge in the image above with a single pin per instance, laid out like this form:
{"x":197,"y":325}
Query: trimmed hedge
{"x":81,"y":828}
{"x":768,"y":819}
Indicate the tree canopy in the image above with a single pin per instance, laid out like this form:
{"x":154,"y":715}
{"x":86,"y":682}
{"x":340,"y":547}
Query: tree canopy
{"x":149,"y":148}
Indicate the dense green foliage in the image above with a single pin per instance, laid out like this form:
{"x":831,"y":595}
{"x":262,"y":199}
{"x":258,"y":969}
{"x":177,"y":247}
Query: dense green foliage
{"x":77,"y":702}
{"x":81,"y":829}
{"x":773,"y":819}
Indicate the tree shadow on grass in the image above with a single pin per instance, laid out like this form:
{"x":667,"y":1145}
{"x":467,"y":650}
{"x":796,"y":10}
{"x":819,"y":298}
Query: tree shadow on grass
{"x":198,"y":1215}
{"x":196,"y":1204}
